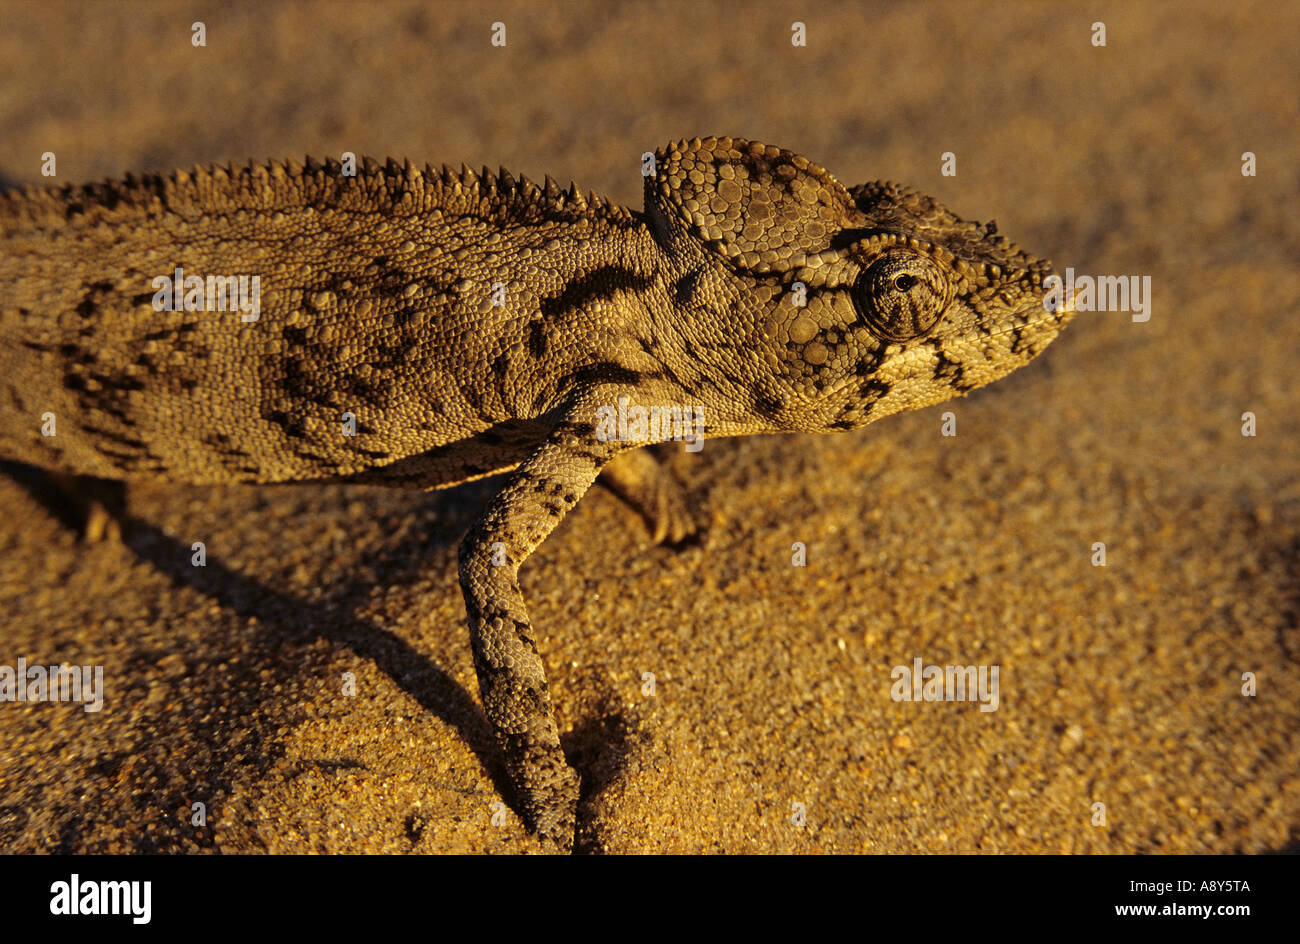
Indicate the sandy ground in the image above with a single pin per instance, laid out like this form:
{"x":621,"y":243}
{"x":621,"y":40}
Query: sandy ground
{"x":1119,"y":685}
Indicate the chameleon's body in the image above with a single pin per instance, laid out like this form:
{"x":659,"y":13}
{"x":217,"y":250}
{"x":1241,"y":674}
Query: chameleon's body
{"x":472,"y":324}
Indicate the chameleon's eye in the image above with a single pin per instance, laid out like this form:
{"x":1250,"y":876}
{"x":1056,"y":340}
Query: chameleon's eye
{"x":902,"y":296}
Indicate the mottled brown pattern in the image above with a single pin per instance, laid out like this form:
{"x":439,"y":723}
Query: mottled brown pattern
{"x":472,"y":324}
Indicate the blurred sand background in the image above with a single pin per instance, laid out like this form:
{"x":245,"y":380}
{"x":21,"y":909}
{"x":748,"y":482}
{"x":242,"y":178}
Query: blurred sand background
{"x":1119,"y":685}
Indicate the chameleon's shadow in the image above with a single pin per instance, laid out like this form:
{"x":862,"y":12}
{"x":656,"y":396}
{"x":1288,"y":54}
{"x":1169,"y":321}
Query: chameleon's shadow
{"x":285,"y":619}
{"x":278,"y":613}
{"x":596,"y":747}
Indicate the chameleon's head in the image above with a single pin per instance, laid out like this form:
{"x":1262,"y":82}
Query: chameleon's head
{"x":862,"y":303}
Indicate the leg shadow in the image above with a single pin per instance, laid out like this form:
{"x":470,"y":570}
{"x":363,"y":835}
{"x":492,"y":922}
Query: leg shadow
{"x":276,"y":612}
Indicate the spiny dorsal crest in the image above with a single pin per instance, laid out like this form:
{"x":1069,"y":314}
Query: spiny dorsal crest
{"x":397,"y":188}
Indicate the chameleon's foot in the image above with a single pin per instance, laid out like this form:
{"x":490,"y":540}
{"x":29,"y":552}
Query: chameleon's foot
{"x":95,"y":507}
{"x":101,"y":525}
{"x":668,"y":514}
{"x":639,"y":479}
{"x":548,"y":797}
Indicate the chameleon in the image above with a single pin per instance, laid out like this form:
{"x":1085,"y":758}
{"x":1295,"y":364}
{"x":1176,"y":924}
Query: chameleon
{"x":424,"y":327}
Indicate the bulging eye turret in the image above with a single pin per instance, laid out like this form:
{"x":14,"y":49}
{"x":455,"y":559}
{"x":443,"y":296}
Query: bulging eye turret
{"x":902,"y":296}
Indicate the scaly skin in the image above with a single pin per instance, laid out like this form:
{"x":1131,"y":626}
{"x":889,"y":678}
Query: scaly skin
{"x":474,"y":324}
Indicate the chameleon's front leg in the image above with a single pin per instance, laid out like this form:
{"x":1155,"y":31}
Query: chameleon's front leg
{"x":511,"y":676}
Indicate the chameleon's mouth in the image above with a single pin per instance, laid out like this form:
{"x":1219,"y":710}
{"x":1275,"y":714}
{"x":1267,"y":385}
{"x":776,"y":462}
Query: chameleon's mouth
{"x":1060,"y":315}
